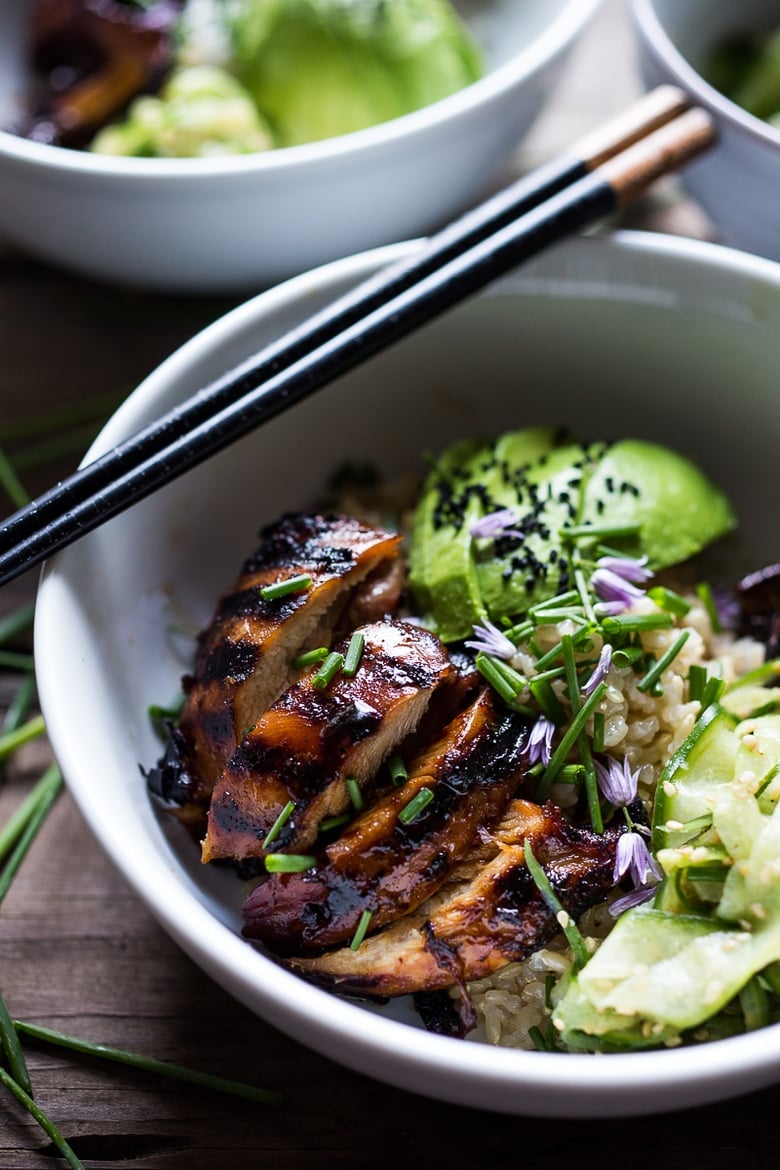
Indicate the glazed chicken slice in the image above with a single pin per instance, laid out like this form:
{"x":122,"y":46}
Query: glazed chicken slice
{"x":244,"y":658}
{"x":387,"y":861}
{"x":474,"y":927}
{"x":313,"y":740}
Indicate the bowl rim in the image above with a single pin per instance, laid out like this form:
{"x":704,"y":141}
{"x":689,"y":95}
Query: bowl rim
{"x":652,"y":29}
{"x":435,"y":1065}
{"x":544,"y":48}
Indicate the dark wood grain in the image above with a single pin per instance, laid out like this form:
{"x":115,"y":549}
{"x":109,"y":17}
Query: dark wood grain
{"x":79,"y":952}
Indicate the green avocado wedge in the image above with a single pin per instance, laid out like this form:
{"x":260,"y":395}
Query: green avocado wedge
{"x":653,"y":499}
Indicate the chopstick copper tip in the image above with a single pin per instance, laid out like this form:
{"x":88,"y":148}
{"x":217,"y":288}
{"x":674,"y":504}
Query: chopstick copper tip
{"x":649,"y":113}
{"x":661,"y":152}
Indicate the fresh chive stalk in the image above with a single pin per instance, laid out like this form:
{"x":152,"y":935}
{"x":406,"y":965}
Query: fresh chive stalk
{"x":297,"y":584}
{"x":421,"y":799}
{"x":354,"y":654}
{"x":45,"y":1122}
{"x":161,"y":1068}
{"x":279,"y":823}
{"x":553,"y":903}
{"x":17,"y":822}
{"x":598,"y":731}
{"x":547,"y":699}
{"x":713,"y":689}
{"x":490,"y":671}
{"x":653,"y":675}
{"x":311,"y":657}
{"x":697,"y":680}
{"x":573,"y":687}
{"x":625,"y":623}
{"x":20,"y":705}
{"x":333,"y":822}
{"x":9,"y":1038}
{"x":585,"y":597}
{"x":398,"y":772}
{"x":49,"y":787}
{"x":704,"y":594}
{"x":32,"y":729}
{"x":578,"y":532}
{"x":355,"y":795}
{"x":328,"y":671}
{"x":668,"y":600}
{"x":571,"y":595}
{"x":569,"y":738}
{"x":629,"y":656}
{"x":289,"y":862}
{"x":13,"y":660}
{"x":537,"y":1037}
{"x":360,"y":932}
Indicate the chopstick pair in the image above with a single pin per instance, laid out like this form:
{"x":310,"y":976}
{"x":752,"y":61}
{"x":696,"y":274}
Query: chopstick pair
{"x":609,"y":168}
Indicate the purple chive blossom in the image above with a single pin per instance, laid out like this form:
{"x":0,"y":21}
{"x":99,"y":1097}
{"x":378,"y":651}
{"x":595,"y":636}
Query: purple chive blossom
{"x":494,"y":525}
{"x":601,"y":671}
{"x":617,"y":579}
{"x":633,"y":857}
{"x":489,"y":640}
{"x":617,"y":782}
{"x":634,"y":898}
{"x":538,"y":750}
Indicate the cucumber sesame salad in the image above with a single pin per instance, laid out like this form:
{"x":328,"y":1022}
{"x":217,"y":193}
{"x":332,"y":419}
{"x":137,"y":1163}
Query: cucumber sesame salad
{"x":542,"y":555}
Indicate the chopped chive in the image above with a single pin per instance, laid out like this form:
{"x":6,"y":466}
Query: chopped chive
{"x":653,"y":675}
{"x":551,"y":656}
{"x":421,"y":799}
{"x":622,"y":623}
{"x":585,"y":597}
{"x":333,"y":822}
{"x":558,"y":599}
{"x":713,"y":689}
{"x":355,"y":795}
{"x":16,"y":623}
{"x":311,"y":657}
{"x":362,"y":927}
{"x":45,"y":1122}
{"x":548,"y":701}
{"x":570,"y":737}
{"x":598,"y":731}
{"x":279,"y":823}
{"x":547,"y":675}
{"x":539,"y":1042}
{"x":161,"y":1068}
{"x":398,"y":772}
{"x":697,"y":680}
{"x":549,"y":984}
{"x":570,"y":773}
{"x":704,"y":594}
{"x":549,"y":617}
{"x":48,"y":789}
{"x":569,"y":928}
{"x":297,"y":584}
{"x":289,"y":862}
{"x":488,"y":668}
{"x":669,"y":600}
{"x":327,"y":672}
{"x":629,"y":656}
{"x":17,"y":1065}
{"x":32,"y":729}
{"x":519,"y":633}
{"x":354,"y":654}
{"x":598,"y":531}
{"x":707,"y":873}
{"x":573,"y":686}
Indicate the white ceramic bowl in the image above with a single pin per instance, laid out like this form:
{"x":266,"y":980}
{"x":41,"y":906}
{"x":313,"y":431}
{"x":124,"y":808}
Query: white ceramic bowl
{"x":737,"y":182}
{"x":244,"y":223}
{"x":645,"y":335}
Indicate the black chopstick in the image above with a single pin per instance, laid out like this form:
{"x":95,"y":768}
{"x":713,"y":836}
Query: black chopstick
{"x":460,"y":261}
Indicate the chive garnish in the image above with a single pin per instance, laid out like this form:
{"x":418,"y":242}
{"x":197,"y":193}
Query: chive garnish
{"x":354,"y":654}
{"x":17,"y":1065}
{"x":298,"y":584}
{"x":754,"y":1002}
{"x":48,"y":788}
{"x":669,"y":600}
{"x":45,"y":1122}
{"x":327,"y":672}
{"x":490,"y":671}
{"x":550,"y":617}
{"x":421,"y":799}
{"x":539,"y":1042}
{"x":569,"y":738}
{"x":547,"y":699}
{"x":598,"y":731}
{"x":697,"y":680}
{"x":573,"y":688}
{"x":558,"y":599}
{"x":623,"y":623}
{"x":17,"y":822}
{"x":598,"y":531}
{"x":569,"y":773}
{"x":551,"y":656}
{"x":355,"y":795}
{"x":362,"y":927}
{"x":398,"y":772}
{"x":713,"y":689}
{"x":653,"y":675}
{"x":629,"y":656}
{"x":569,"y":928}
{"x":162,"y":1068}
{"x":333,"y":822}
{"x":704,"y":594}
{"x":585,"y":597}
{"x":289,"y":862}
{"x":311,"y":657}
{"x":279,"y":823}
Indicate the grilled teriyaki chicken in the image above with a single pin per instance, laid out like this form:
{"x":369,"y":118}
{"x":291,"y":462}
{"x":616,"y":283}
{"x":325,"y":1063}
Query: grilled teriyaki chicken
{"x":244,"y":658}
{"x":313,"y":740}
{"x":494,"y":916}
{"x":386,"y":862}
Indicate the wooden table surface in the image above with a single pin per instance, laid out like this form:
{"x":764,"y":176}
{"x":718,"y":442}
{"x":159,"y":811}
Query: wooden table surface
{"x":79,"y":952}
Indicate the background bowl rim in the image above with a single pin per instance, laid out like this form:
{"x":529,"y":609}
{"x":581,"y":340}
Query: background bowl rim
{"x":610,"y":1086}
{"x":657,"y":38}
{"x":544,"y":48}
